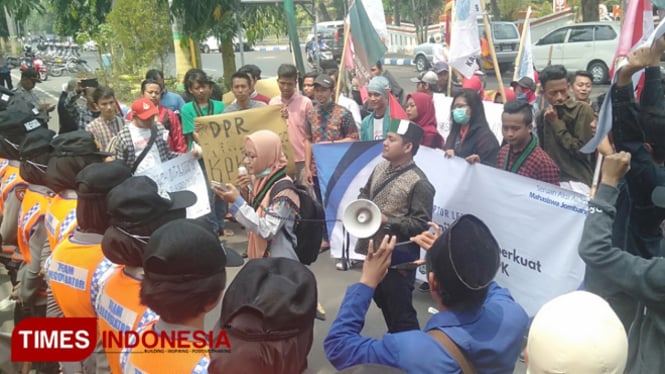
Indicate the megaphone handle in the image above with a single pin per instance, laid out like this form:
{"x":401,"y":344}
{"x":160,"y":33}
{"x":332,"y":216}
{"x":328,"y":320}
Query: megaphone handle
{"x":345,"y":249}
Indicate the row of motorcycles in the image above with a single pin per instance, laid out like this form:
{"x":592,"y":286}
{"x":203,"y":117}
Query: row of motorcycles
{"x":53,"y":59}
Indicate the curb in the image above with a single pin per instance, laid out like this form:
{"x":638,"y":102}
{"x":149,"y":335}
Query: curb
{"x":397,"y":61}
{"x":282,"y":48}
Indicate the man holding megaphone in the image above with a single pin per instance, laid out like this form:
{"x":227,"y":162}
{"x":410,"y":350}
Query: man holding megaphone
{"x":405,"y":198}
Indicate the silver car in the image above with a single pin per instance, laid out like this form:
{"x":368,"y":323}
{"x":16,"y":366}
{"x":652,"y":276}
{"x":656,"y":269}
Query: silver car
{"x":506,"y":43}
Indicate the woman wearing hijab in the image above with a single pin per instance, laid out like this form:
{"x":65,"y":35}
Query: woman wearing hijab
{"x":270,"y":221}
{"x":470,"y":135}
{"x":420,"y":109}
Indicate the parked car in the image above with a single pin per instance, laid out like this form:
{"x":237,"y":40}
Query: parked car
{"x":423,"y":53}
{"x":322,"y":26}
{"x":90,"y":45}
{"x":211,"y":44}
{"x":506,"y":40}
{"x":333,"y":38}
{"x":586,"y":46}
{"x":506,"y":43}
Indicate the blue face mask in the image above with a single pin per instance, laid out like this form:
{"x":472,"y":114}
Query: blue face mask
{"x":521,"y":96}
{"x":264,"y":173}
{"x":460,"y":116}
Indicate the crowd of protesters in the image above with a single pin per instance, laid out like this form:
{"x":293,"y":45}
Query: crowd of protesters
{"x":83,"y":235}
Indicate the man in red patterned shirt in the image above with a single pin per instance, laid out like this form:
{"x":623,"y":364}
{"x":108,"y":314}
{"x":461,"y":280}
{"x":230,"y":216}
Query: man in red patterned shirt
{"x":522,"y":154}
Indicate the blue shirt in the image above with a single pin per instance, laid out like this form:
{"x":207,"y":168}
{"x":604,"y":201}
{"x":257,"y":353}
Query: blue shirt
{"x":490,"y":336}
{"x":172,"y":101}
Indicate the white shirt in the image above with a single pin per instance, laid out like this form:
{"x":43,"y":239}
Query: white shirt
{"x":352,"y":107}
{"x":140,"y":138}
{"x":378,"y":128}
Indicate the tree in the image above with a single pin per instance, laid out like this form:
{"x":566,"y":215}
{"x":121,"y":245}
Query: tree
{"x":72,"y":17}
{"x":198,"y":18}
{"x":589,"y":10}
{"x":143,"y":29}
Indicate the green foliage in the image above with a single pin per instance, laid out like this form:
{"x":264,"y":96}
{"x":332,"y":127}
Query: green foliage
{"x":73,"y":16}
{"x":510,"y":8}
{"x":142,"y":28}
{"x":541,"y":10}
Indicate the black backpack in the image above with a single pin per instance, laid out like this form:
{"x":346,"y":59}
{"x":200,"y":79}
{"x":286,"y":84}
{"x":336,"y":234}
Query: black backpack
{"x":309,"y":227}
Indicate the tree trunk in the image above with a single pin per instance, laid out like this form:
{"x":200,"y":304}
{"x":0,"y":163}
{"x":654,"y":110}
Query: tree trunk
{"x":323,"y":11}
{"x":228,"y":60}
{"x":589,"y":10}
{"x":495,"y":10}
{"x":396,"y":14}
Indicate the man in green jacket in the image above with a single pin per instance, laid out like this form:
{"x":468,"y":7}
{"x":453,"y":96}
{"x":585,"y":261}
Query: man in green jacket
{"x":376,"y":125}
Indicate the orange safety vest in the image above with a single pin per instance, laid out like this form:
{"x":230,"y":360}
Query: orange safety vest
{"x":71,"y":270}
{"x":149,"y":362}
{"x":11,"y":183}
{"x":60,"y":215}
{"x":33,"y":208}
{"x":3,"y":166}
{"x":119,"y":308}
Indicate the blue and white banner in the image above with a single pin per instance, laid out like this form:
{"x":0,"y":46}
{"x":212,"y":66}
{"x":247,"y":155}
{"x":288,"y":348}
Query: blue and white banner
{"x":538,"y":225}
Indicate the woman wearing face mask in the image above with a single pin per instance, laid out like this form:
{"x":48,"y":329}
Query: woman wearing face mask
{"x":470,"y":136}
{"x":270,"y":222}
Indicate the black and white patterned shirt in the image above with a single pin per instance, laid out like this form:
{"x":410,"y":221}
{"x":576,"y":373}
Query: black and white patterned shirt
{"x":128,"y":148}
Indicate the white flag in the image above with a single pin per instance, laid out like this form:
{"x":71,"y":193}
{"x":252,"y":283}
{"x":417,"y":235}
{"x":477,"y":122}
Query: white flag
{"x":464,"y":39}
{"x":524,"y":67}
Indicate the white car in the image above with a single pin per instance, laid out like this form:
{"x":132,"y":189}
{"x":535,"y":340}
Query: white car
{"x":211,"y":44}
{"x":586,"y":46}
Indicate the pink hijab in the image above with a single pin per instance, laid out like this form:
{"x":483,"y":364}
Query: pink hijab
{"x":267,"y":146}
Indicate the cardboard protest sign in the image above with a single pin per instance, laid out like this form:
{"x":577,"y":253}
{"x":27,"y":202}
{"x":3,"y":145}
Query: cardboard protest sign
{"x":222,"y":139}
{"x":180,"y":174}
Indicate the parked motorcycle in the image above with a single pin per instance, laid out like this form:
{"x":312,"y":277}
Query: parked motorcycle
{"x":35,"y":63}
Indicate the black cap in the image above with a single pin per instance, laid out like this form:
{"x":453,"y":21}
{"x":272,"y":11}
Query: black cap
{"x":138,"y":200}
{"x":96,"y":180}
{"x":324,"y":81}
{"x":30,"y":73}
{"x":183,"y":250}
{"x":15,"y":123}
{"x":76,"y":143}
{"x":36,"y":142}
{"x":525,"y":82}
{"x":466,"y":255}
{"x":281,"y":290}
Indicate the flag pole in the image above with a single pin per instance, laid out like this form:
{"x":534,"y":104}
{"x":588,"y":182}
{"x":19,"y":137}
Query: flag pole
{"x":596,"y":174}
{"x":342,"y":68}
{"x":451,"y":71}
{"x":520,"y":51}
{"x":490,"y":41}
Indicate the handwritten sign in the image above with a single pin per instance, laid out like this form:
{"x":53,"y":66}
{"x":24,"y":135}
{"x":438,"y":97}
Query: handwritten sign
{"x":222,"y":139}
{"x":180,"y":174}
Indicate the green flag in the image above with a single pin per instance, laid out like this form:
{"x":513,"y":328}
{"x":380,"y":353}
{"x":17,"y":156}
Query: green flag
{"x":367,"y":45}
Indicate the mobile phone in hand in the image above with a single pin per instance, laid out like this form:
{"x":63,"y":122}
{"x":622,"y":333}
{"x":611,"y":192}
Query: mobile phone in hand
{"x":218,"y":186}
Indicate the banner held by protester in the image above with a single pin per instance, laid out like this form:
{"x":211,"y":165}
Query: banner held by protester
{"x":180,"y":174}
{"x":222,"y":138}
{"x":538,"y":225}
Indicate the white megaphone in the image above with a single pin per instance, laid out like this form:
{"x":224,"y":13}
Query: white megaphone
{"x":362,"y":218}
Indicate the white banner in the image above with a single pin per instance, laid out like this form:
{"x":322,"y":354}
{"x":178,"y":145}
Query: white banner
{"x":442,"y":103}
{"x":464,"y":38}
{"x":180,"y":174}
{"x":538,"y":225}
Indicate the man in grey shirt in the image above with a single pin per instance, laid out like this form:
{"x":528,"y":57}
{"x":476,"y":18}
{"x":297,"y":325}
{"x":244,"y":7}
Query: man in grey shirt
{"x":241,"y":85}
